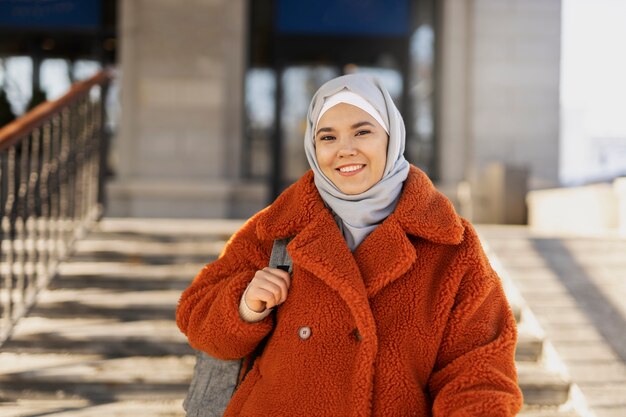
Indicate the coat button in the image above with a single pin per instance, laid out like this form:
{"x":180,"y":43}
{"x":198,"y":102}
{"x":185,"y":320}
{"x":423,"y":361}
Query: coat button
{"x":304,"y":332}
{"x":357,"y":335}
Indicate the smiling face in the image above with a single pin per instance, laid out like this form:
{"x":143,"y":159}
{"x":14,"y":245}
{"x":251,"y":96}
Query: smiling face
{"x":351,"y":148}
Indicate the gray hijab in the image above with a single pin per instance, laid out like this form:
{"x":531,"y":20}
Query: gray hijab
{"x":358,"y":215}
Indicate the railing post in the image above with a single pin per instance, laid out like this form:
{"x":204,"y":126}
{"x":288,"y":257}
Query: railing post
{"x":104,"y":147}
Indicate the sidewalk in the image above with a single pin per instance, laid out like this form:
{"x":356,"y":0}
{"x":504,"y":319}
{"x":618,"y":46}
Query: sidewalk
{"x":577,"y":289}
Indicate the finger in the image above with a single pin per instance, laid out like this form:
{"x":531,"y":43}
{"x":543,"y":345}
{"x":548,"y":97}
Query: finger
{"x":266,"y":296}
{"x":281,"y":283}
{"x":269,"y":286}
{"x":263,"y":295}
{"x":274,"y":276}
{"x":284,"y":275}
{"x":283,"y":280}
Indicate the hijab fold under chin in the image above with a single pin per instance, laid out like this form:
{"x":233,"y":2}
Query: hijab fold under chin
{"x":358,"y":215}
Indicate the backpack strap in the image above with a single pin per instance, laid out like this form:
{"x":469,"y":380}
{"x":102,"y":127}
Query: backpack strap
{"x":280,"y":257}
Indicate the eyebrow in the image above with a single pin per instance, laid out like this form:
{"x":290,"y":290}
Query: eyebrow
{"x":354,"y":126}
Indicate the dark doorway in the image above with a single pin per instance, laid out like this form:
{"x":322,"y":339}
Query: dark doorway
{"x":294,"y":47}
{"x":52,"y":44}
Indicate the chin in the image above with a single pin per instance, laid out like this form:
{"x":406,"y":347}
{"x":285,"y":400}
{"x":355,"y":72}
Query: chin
{"x":353,"y":190}
{"x":346,"y":186}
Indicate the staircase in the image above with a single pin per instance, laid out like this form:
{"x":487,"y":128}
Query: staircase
{"x":544,"y":380}
{"x":102,"y":340}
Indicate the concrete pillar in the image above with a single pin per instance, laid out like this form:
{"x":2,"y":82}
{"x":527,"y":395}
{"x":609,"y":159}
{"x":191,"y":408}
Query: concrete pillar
{"x":455,"y":132}
{"x":500,"y":88}
{"x":178,"y":149}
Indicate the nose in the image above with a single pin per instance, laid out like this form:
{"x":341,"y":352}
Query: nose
{"x":346,"y":148}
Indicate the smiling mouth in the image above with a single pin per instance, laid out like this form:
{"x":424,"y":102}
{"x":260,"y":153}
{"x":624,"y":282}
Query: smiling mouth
{"x":350,"y":169}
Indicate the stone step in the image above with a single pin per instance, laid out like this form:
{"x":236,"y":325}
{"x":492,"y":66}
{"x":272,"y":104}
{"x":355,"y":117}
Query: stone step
{"x":123,"y":283}
{"x":517,"y":311}
{"x":535,"y":411}
{"x":107,"y":348}
{"x":542,"y":387}
{"x":85,"y":408}
{"x":125,"y":276}
{"x":130,"y":270}
{"x":65,"y":376}
{"x":154,"y":237}
{"x":137,"y":251}
{"x":137,"y":258}
{"x":107,"y":304}
{"x":106,"y":337}
{"x":529,"y":346}
{"x":167,"y":228}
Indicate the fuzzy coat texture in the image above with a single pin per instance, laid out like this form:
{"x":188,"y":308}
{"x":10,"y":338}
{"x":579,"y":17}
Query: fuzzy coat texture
{"x":413,"y":323}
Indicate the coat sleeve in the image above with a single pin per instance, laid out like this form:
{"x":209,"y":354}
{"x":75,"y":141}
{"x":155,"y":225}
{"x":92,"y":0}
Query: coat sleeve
{"x":475,"y":372}
{"x":208,"y":310}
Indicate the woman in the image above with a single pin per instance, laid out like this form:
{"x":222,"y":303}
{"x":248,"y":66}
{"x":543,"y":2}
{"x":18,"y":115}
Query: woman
{"x":392,"y":308}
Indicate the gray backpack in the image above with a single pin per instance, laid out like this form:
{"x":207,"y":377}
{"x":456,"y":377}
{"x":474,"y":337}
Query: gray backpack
{"x":215,"y":380}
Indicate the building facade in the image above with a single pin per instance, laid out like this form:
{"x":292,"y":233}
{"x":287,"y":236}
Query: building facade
{"x":213,"y":96}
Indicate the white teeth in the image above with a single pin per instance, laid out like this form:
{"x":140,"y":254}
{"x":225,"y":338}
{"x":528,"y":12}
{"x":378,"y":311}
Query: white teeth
{"x":350,"y":168}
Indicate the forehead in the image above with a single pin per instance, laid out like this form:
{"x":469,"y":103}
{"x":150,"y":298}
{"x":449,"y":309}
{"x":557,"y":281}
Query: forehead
{"x":344,"y":113}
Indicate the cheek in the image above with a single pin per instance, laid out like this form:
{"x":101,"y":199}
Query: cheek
{"x":322,"y":156}
{"x":381,"y":157}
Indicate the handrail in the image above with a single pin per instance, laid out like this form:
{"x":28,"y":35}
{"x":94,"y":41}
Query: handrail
{"x":12,"y":132}
{"x":51,"y":190}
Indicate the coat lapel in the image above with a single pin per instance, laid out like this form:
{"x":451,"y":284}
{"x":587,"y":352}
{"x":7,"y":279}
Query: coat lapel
{"x":321,"y":249}
{"x":384,"y":256}
{"x":422,"y":211}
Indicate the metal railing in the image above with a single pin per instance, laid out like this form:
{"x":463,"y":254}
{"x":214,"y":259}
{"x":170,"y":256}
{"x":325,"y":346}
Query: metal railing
{"x":51,"y":179}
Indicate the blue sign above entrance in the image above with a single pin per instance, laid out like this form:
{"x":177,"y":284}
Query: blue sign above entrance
{"x":343,"y":17}
{"x":50,"y":14}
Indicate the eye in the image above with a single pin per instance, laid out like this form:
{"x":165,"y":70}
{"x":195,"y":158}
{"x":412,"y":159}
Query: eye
{"x":363,"y":132}
{"x":325,"y":138}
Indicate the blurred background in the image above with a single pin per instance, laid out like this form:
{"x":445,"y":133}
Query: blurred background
{"x":500,"y":97}
{"x":137,"y":135}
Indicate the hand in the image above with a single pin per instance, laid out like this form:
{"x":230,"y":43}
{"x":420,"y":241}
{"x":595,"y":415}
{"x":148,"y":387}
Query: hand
{"x":267,"y":289}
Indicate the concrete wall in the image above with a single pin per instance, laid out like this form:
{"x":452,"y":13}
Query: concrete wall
{"x":596,"y":209}
{"x":179,"y":145}
{"x":500,"y":88}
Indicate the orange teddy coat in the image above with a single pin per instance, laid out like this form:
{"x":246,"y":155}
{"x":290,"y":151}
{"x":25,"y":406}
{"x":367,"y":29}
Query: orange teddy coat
{"x":413,"y":323}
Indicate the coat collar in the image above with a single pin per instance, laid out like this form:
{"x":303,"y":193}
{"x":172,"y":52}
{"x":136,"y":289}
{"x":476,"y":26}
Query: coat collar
{"x":421,"y":211}
{"x":425,"y":212}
